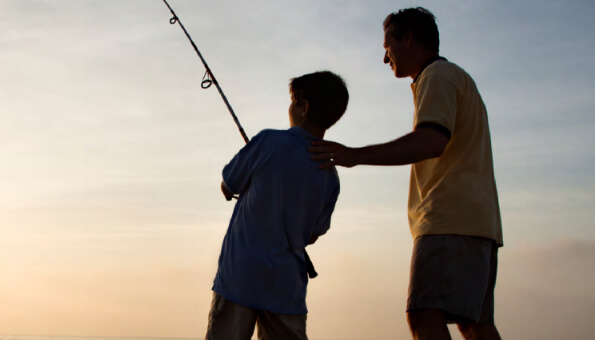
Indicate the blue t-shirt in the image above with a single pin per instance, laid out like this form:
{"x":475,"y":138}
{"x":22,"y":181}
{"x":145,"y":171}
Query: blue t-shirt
{"x":284,"y":201}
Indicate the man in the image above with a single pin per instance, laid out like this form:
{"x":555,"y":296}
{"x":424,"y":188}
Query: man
{"x":453,"y":203}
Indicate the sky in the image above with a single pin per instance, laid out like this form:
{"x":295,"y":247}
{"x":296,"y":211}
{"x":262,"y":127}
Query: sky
{"x":111,"y":218}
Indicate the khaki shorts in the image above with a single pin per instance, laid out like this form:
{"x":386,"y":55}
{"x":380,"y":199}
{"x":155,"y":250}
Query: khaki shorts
{"x":230,"y":321}
{"x":456,"y":274}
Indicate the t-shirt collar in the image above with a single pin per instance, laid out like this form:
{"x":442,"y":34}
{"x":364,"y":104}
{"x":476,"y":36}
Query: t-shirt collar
{"x":428,"y":63}
{"x":302,"y":134}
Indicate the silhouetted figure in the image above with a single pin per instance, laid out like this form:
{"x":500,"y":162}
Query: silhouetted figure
{"x":285,"y":203}
{"x":453,"y":202}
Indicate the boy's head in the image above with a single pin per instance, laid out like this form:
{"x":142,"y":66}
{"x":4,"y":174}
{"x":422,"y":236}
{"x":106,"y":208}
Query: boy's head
{"x":320,"y":98}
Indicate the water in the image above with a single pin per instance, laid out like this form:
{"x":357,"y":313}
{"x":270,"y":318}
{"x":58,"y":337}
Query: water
{"x":38,"y":337}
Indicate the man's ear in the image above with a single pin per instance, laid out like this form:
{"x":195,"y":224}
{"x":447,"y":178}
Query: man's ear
{"x":408,"y":38}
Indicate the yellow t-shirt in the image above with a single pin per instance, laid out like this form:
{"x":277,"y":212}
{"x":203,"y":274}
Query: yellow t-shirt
{"x":456,"y":192}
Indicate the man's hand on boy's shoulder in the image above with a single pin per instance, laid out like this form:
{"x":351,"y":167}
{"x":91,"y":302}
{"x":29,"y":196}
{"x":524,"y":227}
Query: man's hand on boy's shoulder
{"x":228,"y":194}
{"x":332,"y":153}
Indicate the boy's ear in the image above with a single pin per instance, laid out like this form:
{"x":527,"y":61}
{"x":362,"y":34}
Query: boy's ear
{"x":306,"y":106}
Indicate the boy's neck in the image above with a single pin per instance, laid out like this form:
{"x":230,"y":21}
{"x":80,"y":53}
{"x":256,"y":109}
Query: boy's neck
{"x":313,"y":129}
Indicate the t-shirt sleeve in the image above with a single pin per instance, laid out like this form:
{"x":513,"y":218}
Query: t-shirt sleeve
{"x":238,"y":172}
{"x":323,"y":222}
{"x":436,"y":102}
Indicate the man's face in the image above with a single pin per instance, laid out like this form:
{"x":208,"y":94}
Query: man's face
{"x":396,"y":54}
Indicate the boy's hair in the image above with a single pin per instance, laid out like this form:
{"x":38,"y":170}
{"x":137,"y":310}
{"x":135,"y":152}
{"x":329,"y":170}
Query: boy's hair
{"x":326,"y":94}
{"x":419,"y":21}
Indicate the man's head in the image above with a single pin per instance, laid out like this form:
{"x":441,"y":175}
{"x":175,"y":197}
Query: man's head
{"x":410,"y":37}
{"x":318,"y":98}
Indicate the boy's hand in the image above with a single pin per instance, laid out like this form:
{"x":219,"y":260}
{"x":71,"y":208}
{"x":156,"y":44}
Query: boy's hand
{"x":228,"y":194}
{"x":331,"y":152}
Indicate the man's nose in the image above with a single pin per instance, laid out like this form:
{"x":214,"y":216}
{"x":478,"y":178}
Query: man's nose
{"x":386,"y":58}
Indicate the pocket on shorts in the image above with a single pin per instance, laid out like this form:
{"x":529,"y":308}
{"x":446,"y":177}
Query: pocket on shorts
{"x":217,"y":304}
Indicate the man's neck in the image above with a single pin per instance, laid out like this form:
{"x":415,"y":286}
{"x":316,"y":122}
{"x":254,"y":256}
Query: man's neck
{"x":425,"y":59}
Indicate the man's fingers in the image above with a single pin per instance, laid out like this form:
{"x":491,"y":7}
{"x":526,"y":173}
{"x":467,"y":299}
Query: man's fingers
{"x":322,"y":142}
{"x":321,"y":156}
{"x":321,"y":146}
{"x":325,"y":165}
{"x":321,"y":149}
{"x":324,"y":151}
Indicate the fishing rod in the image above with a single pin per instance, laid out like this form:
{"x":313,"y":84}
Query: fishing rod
{"x":208,"y":78}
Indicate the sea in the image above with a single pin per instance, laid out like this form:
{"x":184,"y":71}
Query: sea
{"x":39,"y":337}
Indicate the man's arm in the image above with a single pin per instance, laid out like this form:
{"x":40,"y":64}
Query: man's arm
{"x":419,"y":145}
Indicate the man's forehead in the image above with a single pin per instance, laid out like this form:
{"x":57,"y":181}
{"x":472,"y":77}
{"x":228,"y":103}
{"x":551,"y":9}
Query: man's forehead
{"x":388,"y":29}
{"x":387,"y":34}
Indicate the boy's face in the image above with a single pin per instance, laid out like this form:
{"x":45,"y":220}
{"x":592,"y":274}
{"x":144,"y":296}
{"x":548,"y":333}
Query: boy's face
{"x":297,"y":111}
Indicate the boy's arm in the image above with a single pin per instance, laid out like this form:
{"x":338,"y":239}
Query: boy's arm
{"x":226,"y":192}
{"x":238,"y":172}
{"x":324,"y":219}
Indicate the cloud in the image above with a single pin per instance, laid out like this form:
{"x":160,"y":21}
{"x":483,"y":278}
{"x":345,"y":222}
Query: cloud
{"x":112,"y":155}
{"x":546,"y":292}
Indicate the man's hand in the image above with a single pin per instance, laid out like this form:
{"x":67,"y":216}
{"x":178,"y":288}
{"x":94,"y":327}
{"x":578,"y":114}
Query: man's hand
{"x":331,"y":152}
{"x":417,"y":146}
{"x":228,"y":194}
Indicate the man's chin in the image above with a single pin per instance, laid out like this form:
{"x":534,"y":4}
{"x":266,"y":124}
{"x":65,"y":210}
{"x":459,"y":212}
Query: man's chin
{"x":397,"y":73}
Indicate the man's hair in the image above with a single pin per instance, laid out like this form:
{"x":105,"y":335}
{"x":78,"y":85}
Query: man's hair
{"x":419,"y":21}
{"x":326,"y":94}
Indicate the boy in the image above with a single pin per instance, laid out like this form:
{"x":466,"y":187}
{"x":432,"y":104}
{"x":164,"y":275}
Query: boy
{"x":285,"y":203}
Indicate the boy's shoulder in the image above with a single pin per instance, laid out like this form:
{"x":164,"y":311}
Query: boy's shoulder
{"x":273,"y":135}
{"x":273,"y":139}
{"x":269,"y":132}
{"x":268,"y":139}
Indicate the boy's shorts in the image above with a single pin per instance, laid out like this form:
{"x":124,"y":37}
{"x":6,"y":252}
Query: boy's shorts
{"x":456,"y":274}
{"x":230,"y":321}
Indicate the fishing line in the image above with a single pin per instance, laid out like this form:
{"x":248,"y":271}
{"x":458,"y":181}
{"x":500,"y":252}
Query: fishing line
{"x":209,"y":78}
